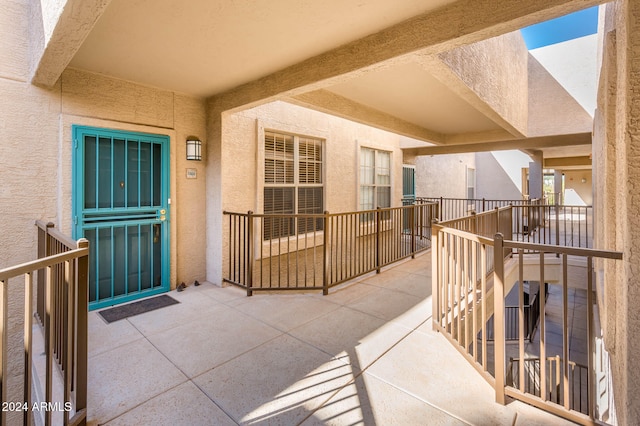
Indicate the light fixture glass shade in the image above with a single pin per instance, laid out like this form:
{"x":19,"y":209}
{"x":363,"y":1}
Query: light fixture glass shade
{"x":194,"y":149}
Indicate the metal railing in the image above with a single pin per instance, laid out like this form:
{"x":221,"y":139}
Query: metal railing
{"x":511,"y":316}
{"x":533,"y":221}
{"x":61,"y":305}
{"x":318,"y":251}
{"x":578,"y":379}
{"x":455,"y":208}
{"x":469,"y":288}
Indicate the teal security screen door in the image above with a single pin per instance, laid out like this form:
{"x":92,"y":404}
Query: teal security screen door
{"x":408,"y":183}
{"x":120,"y":204}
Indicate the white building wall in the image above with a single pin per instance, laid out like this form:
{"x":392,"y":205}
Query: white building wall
{"x":443,"y":175}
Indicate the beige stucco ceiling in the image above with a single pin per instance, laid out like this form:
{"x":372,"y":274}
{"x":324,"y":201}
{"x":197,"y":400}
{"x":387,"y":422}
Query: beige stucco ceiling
{"x":411,"y":93}
{"x":202,"y":47}
{"x":208,"y":48}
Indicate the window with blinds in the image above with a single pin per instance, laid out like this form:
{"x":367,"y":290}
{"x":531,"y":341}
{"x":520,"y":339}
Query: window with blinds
{"x":375,"y":179}
{"x":471,"y":183}
{"x":293,"y":183}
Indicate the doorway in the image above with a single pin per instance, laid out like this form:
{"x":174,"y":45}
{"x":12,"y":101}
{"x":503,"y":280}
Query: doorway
{"x":120,"y":204}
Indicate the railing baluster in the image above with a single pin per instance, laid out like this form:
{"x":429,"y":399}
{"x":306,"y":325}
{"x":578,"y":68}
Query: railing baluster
{"x":565,"y":329}
{"x":543,"y":354}
{"x":521,"y":317}
{"x":4,"y":294}
{"x":498,"y":323}
{"x":28,"y":345}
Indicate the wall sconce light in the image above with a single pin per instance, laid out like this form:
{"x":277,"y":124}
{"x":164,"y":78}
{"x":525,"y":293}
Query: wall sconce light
{"x":194,"y":148}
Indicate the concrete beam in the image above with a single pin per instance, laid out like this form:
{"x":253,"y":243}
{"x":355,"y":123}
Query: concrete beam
{"x":529,"y":143}
{"x":444,"y":73}
{"x":453,"y":25}
{"x":334,"y":104}
{"x":558,"y":163}
{"x":59,"y":36}
{"x":478,"y":137}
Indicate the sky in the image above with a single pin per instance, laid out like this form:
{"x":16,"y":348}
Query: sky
{"x":568,"y":27}
{"x":568,"y":47}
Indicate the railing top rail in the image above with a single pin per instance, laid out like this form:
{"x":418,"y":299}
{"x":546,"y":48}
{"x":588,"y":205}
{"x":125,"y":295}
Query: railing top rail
{"x":59,"y":236}
{"x":572,"y":251}
{"x":478,"y":199}
{"x":474,"y":215}
{"x":321,"y":215}
{"x":464,"y":234}
{"x":34,"y":265}
{"x":516,"y":203}
{"x":550,"y":358}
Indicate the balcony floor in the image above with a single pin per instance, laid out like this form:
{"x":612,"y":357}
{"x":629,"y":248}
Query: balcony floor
{"x":365,"y":354}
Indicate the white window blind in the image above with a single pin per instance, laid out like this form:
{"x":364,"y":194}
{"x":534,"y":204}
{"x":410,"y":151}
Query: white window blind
{"x":375,"y":179}
{"x":293,"y":171}
{"x":471,"y":183}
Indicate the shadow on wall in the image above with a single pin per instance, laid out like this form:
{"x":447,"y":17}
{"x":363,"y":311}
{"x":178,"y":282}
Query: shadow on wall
{"x":571,"y":198}
{"x":493,"y":181}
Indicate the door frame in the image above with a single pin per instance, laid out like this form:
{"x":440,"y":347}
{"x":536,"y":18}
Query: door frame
{"x":78,"y":194}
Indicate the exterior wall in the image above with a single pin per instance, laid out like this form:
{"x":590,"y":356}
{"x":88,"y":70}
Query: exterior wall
{"x":616,"y":169}
{"x":36,"y":150}
{"x":243,"y":134}
{"x":573,"y":184}
{"x":496,"y":70}
{"x":552,"y":111}
{"x":499,"y":174}
{"x":444,"y":175}
{"x":242,"y":161}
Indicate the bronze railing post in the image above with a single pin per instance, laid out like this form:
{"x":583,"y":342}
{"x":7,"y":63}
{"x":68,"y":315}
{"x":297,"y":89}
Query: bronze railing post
{"x":45,"y":246}
{"x":82,"y":320}
{"x":412,"y":217}
{"x":498,"y":323}
{"x":325,"y":255}
{"x":4,"y":353}
{"x":435,"y":275}
{"x":378,"y":242}
{"x":249,"y":258}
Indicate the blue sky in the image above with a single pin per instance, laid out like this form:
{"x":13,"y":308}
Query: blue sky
{"x":568,"y":27}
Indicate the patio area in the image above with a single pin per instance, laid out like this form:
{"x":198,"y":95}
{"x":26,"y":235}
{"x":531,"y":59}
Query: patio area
{"x":364,"y":354}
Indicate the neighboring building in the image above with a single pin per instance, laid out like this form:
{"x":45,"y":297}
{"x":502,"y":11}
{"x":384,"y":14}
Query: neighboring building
{"x":299,"y":109}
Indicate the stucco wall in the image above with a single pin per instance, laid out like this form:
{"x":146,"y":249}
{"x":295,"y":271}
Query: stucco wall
{"x":552,"y":111}
{"x":443,"y":175}
{"x":496,"y":70}
{"x":573,"y":184}
{"x":36,"y":149}
{"x":499,"y":174}
{"x":242,"y":161}
{"x":617,"y":170}
{"x":243,"y":147}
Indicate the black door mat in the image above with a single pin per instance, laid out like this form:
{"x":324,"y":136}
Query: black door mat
{"x":136,"y":308}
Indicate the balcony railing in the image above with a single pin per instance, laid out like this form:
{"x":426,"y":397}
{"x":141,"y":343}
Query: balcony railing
{"x":469,"y":288}
{"x":61,"y":305}
{"x":273,"y":252}
{"x":532,"y":221}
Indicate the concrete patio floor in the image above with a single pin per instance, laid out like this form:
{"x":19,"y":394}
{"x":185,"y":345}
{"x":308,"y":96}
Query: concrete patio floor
{"x":365,"y":354}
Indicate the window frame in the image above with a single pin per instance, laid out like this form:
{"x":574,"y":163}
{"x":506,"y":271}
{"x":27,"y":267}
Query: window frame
{"x":470,"y":202}
{"x":375,"y":185}
{"x":297,"y":185}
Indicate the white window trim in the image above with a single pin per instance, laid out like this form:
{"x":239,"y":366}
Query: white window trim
{"x":264,"y":248}
{"x":470,"y":204}
{"x":263,"y":126}
{"x":392,"y":171}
